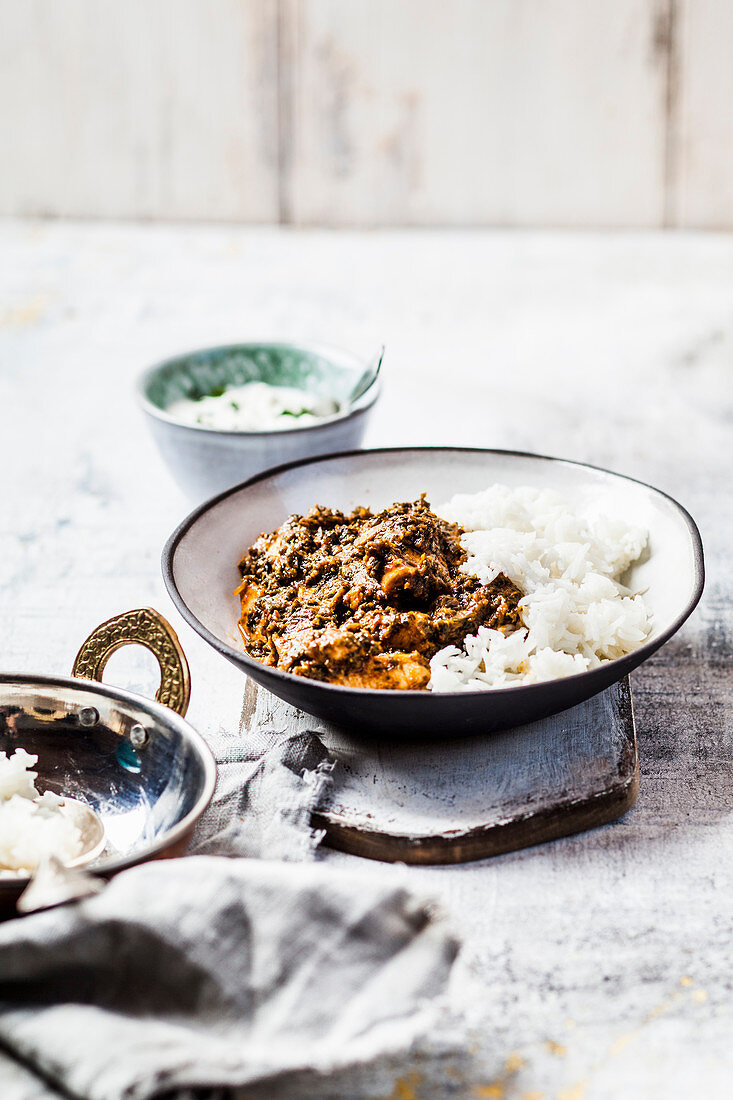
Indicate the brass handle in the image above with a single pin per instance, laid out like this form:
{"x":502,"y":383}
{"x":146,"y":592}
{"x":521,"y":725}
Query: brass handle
{"x":147,"y":627}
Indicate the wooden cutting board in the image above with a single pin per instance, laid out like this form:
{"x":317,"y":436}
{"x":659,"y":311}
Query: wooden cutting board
{"x":451,"y":801}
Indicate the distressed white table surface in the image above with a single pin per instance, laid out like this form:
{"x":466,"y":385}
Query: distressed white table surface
{"x":602,"y":962}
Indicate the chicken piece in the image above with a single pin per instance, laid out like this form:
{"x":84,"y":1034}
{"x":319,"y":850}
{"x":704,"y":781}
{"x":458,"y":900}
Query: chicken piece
{"x":389,"y":671}
{"x":416,"y":551}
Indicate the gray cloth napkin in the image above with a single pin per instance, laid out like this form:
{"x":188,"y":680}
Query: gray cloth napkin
{"x":212,"y":971}
{"x":267,"y":786}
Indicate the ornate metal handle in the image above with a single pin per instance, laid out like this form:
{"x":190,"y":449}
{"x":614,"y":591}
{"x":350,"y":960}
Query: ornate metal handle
{"x":147,"y":627}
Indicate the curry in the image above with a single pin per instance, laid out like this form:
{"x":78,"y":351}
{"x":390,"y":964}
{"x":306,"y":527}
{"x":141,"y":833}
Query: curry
{"x":365,"y":600}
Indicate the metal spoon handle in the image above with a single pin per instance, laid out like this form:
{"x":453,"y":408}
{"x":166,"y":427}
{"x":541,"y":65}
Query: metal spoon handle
{"x":368,"y":377}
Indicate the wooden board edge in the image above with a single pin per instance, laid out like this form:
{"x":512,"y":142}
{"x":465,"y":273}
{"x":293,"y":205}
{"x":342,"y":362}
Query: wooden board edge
{"x":483,"y":843}
{"x":564,"y":819}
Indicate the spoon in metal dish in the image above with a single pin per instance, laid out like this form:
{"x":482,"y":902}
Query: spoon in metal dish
{"x":91,"y":827}
{"x":367,"y":378}
{"x":53,"y":882}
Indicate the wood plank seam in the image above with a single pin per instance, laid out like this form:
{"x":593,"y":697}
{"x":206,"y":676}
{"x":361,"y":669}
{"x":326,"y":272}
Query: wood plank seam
{"x":285,"y":36}
{"x":667,"y":41}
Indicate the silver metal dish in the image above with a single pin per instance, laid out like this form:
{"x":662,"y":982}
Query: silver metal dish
{"x":205,"y":460}
{"x":201,"y":556}
{"x":146,"y":774}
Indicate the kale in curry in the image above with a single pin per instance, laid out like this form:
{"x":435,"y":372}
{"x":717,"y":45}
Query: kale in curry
{"x":366,"y":599}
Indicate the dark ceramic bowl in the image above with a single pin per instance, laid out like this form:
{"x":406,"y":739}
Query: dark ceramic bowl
{"x":200,"y":569}
{"x":206,"y":460}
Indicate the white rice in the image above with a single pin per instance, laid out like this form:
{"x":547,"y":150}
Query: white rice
{"x":575,"y":612}
{"x":32,"y":826}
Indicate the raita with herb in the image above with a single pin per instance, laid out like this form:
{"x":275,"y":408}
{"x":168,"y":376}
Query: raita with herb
{"x":254,"y":407}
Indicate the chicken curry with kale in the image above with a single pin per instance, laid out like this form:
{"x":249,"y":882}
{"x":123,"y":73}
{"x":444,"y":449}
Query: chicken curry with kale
{"x":366,"y":599}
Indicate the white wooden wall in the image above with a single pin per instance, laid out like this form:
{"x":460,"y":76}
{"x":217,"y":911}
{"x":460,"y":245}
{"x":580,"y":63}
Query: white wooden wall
{"x":370,"y":112}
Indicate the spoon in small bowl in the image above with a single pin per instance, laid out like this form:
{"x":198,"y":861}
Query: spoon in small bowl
{"x":367,"y":378}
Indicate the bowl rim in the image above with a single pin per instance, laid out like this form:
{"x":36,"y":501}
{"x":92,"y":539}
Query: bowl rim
{"x":159,"y":712}
{"x":326,"y":351}
{"x":243,"y":658}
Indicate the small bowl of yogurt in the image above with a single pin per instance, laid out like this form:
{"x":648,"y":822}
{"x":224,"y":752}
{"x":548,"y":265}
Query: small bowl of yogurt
{"x":221,"y":415}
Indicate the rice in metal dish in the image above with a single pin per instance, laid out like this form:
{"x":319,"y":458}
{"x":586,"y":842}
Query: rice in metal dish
{"x":575,"y":611}
{"x":32,"y":827}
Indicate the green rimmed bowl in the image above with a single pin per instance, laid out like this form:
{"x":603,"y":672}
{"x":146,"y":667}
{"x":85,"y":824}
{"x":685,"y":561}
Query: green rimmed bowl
{"x":207,"y":460}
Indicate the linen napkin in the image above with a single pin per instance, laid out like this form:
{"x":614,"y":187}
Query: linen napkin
{"x":267,"y":786}
{"x":213,"y":971}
